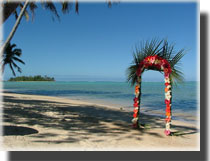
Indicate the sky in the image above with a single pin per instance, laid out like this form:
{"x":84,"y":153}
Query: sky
{"x":97,"y":44}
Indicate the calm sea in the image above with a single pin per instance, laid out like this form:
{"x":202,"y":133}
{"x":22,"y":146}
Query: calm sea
{"x":115,"y":93}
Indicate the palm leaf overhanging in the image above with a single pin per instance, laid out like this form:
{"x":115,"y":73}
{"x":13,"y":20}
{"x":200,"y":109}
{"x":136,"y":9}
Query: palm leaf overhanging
{"x":162,"y":49}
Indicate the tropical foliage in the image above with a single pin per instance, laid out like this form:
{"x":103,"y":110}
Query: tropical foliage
{"x":10,"y":57}
{"x":162,"y":49}
{"x":32,"y":78}
{"x":11,"y":8}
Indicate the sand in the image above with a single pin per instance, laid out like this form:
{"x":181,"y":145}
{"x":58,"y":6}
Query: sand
{"x":33,"y":122}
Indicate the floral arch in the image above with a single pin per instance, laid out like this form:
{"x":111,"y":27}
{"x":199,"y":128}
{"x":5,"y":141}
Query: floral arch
{"x":154,"y":57}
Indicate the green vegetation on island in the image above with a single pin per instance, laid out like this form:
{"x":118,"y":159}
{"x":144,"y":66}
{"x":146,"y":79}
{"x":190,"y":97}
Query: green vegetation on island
{"x":32,"y":78}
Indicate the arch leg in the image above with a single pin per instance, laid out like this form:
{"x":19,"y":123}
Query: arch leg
{"x":136,"y":104}
{"x":168,"y":106}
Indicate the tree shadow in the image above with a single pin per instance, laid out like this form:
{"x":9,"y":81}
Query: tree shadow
{"x":18,"y":130}
{"x":77,"y":120}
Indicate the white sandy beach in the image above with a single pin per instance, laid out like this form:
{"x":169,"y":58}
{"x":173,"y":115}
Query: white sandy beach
{"x":33,"y":122}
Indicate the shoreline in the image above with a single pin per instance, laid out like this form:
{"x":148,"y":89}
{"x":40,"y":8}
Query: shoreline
{"x":59,"y":99}
{"x":177,"y":115}
{"x":29,"y":81}
{"x":60,"y":123}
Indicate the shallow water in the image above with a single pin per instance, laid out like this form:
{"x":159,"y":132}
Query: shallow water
{"x":184,"y":100}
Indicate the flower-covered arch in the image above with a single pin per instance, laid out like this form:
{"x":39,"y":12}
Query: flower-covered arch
{"x":159,"y":56}
{"x":158,"y":63}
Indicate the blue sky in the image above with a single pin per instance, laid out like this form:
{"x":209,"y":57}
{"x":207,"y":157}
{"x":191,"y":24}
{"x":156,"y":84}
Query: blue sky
{"x":98,"y":43}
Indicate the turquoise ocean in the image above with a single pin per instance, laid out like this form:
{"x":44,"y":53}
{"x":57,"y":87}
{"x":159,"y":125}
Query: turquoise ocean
{"x":120,"y":94}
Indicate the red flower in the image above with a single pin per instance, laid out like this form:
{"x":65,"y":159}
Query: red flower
{"x":156,"y":57}
{"x":166,"y":65}
{"x":163,"y":61}
{"x":135,"y":115}
{"x":167,"y":132}
{"x":169,"y":70}
{"x":166,"y":84}
{"x":148,"y":58}
{"x":141,"y":64}
{"x":152,"y":59}
{"x":146,"y":65}
{"x":135,"y":100}
{"x":167,"y":101}
{"x":166,"y":74}
{"x":135,"y":110}
{"x":167,"y":119}
{"x":138,"y":72}
{"x":168,"y":111}
{"x":165,"y":70}
{"x":168,"y":106}
{"x":135,"y":104}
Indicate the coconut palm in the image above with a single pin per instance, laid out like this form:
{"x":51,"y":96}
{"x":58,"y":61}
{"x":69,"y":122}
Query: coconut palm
{"x":162,"y":49}
{"x":11,"y":56}
{"x":11,"y":7}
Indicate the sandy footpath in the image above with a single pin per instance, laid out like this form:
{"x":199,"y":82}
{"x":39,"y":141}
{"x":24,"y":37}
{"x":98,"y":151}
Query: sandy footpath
{"x":33,"y":122}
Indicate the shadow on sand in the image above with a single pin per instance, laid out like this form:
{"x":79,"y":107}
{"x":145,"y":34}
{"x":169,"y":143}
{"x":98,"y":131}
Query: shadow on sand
{"x":18,"y":130}
{"x":80,"y":120}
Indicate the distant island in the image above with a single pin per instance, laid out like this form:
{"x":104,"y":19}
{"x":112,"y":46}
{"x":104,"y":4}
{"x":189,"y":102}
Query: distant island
{"x":32,"y":78}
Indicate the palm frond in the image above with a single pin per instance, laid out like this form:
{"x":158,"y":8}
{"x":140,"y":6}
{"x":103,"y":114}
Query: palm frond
{"x":16,"y":14}
{"x":11,"y":46}
{"x":19,"y":69}
{"x":145,"y":49}
{"x":176,"y":77}
{"x":17,"y":52}
{"x":135,"y":59}
{"x":77,"y":7}
{"x":177,"y":57}
{"x":66,"y":6}
{"x":26,"y":14}
{"x":32,"y":7}
{"x":50,"y":6}
{"x":131,"y":74}
{"x":156,"y":47}
{"x":109,"y":4}
{"x":13,"y":72}
{"x":16,"y":66}
{"x":17,"y":59}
